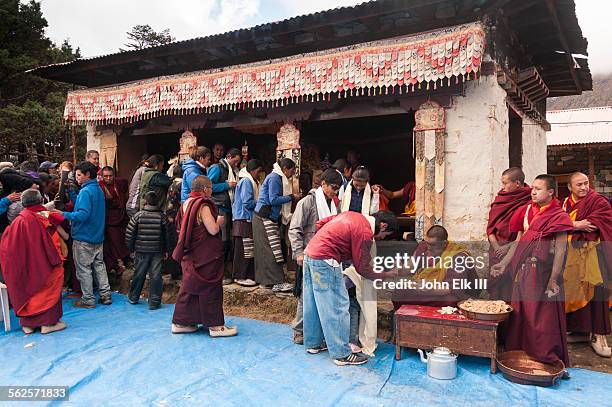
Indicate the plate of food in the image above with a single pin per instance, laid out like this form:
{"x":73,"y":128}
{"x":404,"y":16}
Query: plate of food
{"x":485,"y":310}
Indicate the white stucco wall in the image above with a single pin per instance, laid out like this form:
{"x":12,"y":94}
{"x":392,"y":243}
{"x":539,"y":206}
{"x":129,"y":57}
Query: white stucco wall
{"x":534,"y":149}
{"x":476,"y":154}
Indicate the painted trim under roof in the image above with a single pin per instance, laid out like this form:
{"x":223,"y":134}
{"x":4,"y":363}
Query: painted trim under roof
{"x":426,"y":59}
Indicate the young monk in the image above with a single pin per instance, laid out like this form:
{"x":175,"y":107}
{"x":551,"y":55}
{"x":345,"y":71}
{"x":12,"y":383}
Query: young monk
{"x":200,"y":253}
{"x":513,"y":195}
{"x":589,"y":265}
{"x":537,"y":324}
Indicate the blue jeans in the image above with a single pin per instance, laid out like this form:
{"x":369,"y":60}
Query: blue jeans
{"x":89,"y":263}
{"x":326,"y":308}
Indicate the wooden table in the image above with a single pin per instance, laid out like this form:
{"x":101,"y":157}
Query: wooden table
{"x":419,"y":326}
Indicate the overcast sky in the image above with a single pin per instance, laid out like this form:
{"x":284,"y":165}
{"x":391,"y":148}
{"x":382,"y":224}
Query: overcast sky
{"x":99,"y":27}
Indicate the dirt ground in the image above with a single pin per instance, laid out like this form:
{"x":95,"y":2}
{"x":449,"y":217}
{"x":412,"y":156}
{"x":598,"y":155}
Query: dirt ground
{"x":263,"y":305}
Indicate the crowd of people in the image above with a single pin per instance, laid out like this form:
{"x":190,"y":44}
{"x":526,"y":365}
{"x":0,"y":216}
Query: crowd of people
{"x":217,"y":218}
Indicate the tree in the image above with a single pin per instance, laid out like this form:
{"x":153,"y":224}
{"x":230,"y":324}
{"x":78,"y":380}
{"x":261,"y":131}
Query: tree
{"x":31,"y":108}
{"x":143,"y":36}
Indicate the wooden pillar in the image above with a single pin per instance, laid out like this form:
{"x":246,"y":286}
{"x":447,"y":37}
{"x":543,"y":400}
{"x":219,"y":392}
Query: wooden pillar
{"x":591,"y":166}
{"x":429,"y":137}
{"x":108,"y":149}
{"x":288,"y":139}
{"x":186,"y":143}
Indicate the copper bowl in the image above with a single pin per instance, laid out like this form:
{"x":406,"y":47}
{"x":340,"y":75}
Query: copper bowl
{"x":481,"y":316}
{"x":518,"y":367}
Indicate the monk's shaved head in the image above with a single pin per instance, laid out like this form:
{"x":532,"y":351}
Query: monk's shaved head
{"x":576,"y":175}
{"x":200,"y":182}
{"x":31,"y":197}
{"x":578,"y":184}
{"x":551,"y":182}
{"x":438,"y":232}
{"x":515,"y":174}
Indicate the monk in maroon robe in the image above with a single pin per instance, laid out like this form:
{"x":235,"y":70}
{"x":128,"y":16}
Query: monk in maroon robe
{"x":32,"y":265}
{"x":513,"y":195}
{"x":588,"y":271}
{"x":451,"y":267}
{"x":200,"y":252}
{"x":537,"y":323}
{"x":115,"y":193}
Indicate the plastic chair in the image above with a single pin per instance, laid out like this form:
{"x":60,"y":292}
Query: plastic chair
{"x":4,"y":307}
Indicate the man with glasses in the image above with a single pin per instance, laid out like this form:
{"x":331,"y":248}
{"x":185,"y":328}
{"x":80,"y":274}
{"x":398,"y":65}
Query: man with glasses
{"x":318,"y":204}
{"x":438,"y":260}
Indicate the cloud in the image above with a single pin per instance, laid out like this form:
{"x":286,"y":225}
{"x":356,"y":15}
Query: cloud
{"x":99,"y":27}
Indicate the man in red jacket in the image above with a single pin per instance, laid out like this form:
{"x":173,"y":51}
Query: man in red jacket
{"x":344,"y":237}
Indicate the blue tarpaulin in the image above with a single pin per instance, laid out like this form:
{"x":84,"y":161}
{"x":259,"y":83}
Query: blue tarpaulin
{"x":125,"y":355}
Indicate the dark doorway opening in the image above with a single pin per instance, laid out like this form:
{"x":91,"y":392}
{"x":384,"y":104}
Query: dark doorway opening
{"x":515,"y":139}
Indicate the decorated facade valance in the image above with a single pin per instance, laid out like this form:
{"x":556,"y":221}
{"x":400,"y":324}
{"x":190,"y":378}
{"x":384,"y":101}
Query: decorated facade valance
{"x":428,"y":59}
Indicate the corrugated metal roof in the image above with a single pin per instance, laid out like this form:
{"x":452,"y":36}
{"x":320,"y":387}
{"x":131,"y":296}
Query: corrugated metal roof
{"x":580,"y":126}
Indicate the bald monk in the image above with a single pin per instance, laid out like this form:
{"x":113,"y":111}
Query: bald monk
{"x":588,"y":270}
{"x":200,"y":252}
{"x":436,"y":245}
{"x":537,"y":324}
{"x":514,"y":194}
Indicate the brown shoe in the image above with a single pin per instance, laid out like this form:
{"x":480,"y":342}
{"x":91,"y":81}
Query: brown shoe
{"x":105,"y":300}
{"x":82,"y":304}
{"x":298,"y":338}
{"x":47,"y":329}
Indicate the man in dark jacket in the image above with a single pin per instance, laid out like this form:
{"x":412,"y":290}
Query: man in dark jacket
{"x":146,"y":235}
{"x":154,"y":180}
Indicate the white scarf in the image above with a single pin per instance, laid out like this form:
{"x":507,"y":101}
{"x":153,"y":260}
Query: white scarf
{"x":287,"y":190}
{"x":324,"y":211}
{"x":245,"y":174}
{"x":365,"y":202}
{"x":231,"y":177}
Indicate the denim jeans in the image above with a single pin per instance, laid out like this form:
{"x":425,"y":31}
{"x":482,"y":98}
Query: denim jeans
{"x":147,"y":263}
{"x":326,"y":308}
{"x":89,"y":263}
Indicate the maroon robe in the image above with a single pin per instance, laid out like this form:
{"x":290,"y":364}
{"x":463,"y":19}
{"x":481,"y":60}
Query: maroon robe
{"x":32,"y":267}
{"x":406,"y":297}
{"x":537,"y":324}
{"x":595,"y":316}
{"x":200,"y":298}
{"x":116,"y":223}
{"x":502,"y":209}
